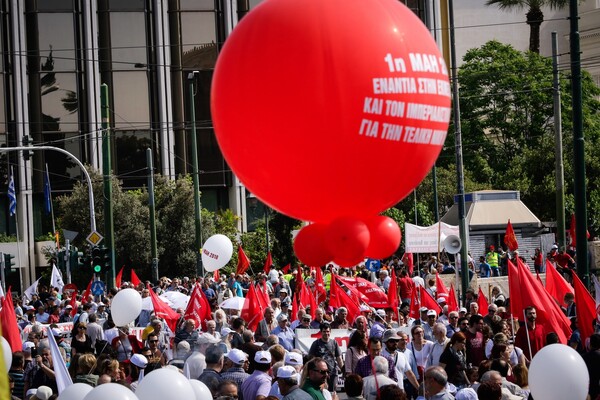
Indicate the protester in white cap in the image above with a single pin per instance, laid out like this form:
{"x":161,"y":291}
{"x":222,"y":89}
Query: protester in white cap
{"x":138,"y":365}
{"x":196,"y":362}
{"x":259,"y":383}
{"x":287,"y":380}
{"x":42,"y":393}
{"x":234,"y":367}
{"x":284,"y":333}
{"x":379,"y":325}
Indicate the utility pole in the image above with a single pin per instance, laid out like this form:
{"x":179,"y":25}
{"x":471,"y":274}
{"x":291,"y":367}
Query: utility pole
{"x":560,"y":171}
{"x":152,"y":208}
{"x":195,"y":174}
{"x":106,"y":170}
{"x":578,"y":148}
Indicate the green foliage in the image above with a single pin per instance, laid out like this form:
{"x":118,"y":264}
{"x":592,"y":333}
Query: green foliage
{"x":4,"y":238}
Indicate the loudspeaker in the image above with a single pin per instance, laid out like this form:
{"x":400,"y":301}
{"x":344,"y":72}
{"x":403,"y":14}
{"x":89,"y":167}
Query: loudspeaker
{"x":452,"y":244}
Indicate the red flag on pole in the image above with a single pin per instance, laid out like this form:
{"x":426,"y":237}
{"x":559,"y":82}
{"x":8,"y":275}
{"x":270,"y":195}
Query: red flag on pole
{"x":263,"y":296}
{"x":510,"y":239}
{"x":8,"y":319}
{"x":243,"y":261}
{"x":162,"y":310}
{"x":252,"y":312}
{"x":452,"y":301}
{"x":407,"y":260}
{"x":516,"y":302}
{"x":286,"y":269}
{"x":307,"y":298}
{"x":119,"y":277}
{"x":73,"y":303}
{"x":393,"y":293}
{"x":216,"y":276}
{"x":442,"y":290}
{"x":295,"y":308}
{"x":586,"y":309}
{"x":556,"y":285}
{"x":320,"y":285}
{"x":482,"y":302}
{"x":87,"y":292}
{"x":572,"y":232}
{"x":415,"y":305}
{"x":198,"y":308}
{"x":428,"y":301}
{"x":134,"y":278}
{"x":339,"y":298}
{"x":268,"y":263}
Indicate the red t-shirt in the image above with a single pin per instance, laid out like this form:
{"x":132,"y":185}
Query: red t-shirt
{"x":562,"y":259}
{"x":475,"y":347}
{"x":537,"y":337}
{"x":406,"y":286}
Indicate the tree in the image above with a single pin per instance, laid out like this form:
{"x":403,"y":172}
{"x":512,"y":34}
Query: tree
{"x":534,"y":15}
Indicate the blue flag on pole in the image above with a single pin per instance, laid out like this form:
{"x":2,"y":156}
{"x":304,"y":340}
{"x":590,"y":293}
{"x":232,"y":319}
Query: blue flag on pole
{"x":12,"y":196}
{"x":47,"y":194}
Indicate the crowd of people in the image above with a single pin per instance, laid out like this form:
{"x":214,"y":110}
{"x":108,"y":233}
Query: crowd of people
{"x":463,"y":354}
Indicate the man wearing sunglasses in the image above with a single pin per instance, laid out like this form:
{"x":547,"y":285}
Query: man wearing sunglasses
{"x":318,"y":372}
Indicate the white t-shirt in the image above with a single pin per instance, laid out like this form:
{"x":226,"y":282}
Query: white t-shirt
{"x":401,"y":364}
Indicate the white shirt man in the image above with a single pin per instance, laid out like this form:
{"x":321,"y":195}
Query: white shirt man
{"x":401,"y":363}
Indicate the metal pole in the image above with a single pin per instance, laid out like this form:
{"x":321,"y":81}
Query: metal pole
{"x":152,"y":208}
{"x":460,"y":180}
{"x":578,"y":148}
{"x":436,"y":207}
{"x":68,"y":260}
{"x":195,"y":174}
{"x":560,"y":172}
{"x":106,"y":170}
{"x":267,"y":227}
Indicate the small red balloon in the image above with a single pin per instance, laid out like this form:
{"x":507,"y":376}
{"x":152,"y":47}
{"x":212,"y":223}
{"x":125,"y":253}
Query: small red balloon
{"x":310,"y":246}
{"x":344,"y":84}
{"x":385,"y":237}
{"x":347,"y":239}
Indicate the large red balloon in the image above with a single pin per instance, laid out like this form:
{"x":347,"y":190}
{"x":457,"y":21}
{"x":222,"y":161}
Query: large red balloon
{"x":330,"y":108}
{"x":347,"y":239}
{"x":385,"y":237}
{"x":310,"y":247}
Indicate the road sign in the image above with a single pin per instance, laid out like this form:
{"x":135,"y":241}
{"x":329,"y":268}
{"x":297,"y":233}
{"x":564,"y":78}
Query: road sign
{"x":94,"y":238}
{"x":98,"y":288}
{"x":372,"y":264}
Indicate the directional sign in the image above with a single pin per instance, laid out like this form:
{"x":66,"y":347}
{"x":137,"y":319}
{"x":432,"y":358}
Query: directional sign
{"x":98,"y":288}
{"x":372,"y":264}
{"x":94,"y":238}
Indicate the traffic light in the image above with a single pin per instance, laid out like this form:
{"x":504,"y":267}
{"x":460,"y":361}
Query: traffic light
{"x":8,"y":262}
{"x":106,"y":263}
{"x":27,"y":142}
{"x":61,"y":259}
{"x":96,"y":259}
{"x":77,"y":259}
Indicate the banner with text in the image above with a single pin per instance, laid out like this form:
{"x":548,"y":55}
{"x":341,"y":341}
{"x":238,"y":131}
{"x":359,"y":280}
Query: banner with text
{"x":427,"y":239}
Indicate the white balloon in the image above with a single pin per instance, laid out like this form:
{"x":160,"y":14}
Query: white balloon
{"x":126,"y":306}
{"x":558,"y":372}
{"x":201,"y":390}
{"x":76,"y":391}
{"x":216,"y":252}
{"x":7,"y":353}
{"x":112,"y":391}
{"x":165,"y":383}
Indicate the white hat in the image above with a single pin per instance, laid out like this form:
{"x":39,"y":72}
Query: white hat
{"x":431,"y":312}
{"x":441,"y":300}
{"x":293,"y":358}
{"x":42,"y":393}
{"x":262,"y":357}
{"x":364,"y":307}
{"x":56,"y":332}
{"x":554,"y":247}
{"x":29,"y":308}
{"x":381,"y":313}
{"x":286,"y":372}
{"x":27,"y":346}
{"x":423,"y":309}
{"x":225,"y":331}
{"x":462,"y":309}
{"x":101,"y":304}
{"x":282,"y":317}
{"x":236,"y":356}
{"x":283,"y":290}
{"x":207,"y":338}
{"x":139,"y":360}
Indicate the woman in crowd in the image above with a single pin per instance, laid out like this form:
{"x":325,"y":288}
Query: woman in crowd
{"x":421,"y":349}
{"x":357,"y":349}
{"x":454,"y":360}
{"x":81,"y":343}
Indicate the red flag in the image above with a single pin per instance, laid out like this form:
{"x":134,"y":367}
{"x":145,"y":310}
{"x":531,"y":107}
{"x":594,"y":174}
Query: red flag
{"x":252,"y":311}
{"x":216,"y":276}
{"x":320,"y":285}
{"x":119,"y":277}
{"x":162,"y":310}
{"x":482,"y":302}
{"x":516,"y":302}
{"x":510,"y":239}
{"x":73,"y":304}
{"x":428,"y":301}
{"x":556,"y":285}
{"x":268,"y":263}
{"x":339,"y":298}
{"x":134,"y":278}
{"x":407,"y":260}
{"x":286,"y":269}
{"x":442,"y":290}
{"x":415,"y":305}
{"x":572,"y":231}
{"x":263,"y":296}
{"x":585,"y":307}
{"x":452,"y":301}
{"x":87,"y":292}
{"x":295,"y":308}
{"x":370,"y":293}
{"x":392,"y":293}
{"x":198,"y":308}
{"x":8,"y":319}
{"x":307,"y":298}
{"x":549,"y":313}
{"x":243,"y":262}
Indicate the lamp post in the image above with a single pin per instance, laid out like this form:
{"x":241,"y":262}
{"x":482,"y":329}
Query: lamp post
{"x":195,"y":178}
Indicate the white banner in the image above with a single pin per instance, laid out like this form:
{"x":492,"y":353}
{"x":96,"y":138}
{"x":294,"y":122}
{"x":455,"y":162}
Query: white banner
{"x":306,"y":337}
{"x":425,"y":239}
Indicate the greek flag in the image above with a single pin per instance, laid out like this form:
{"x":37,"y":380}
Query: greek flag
{"x":12,"y":196}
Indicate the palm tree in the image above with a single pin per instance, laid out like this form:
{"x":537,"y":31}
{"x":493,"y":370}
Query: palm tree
{"x":535,"y":16}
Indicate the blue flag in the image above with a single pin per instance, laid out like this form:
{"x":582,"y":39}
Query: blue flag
{"x":47,"y":194}
{"x":12,"y":196}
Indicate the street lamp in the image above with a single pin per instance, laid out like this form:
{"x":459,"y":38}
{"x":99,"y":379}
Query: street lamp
{"x":254,"y":200}
{"x":195,"y":178}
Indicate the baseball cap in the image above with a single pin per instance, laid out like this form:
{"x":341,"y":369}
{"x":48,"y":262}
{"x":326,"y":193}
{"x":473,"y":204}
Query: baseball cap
{"x":441,"y":299}
{"x":423,"y":309}
{"x":431,"y":312}
{"x":390,"y":334}
{"x":462,"y":310}
{"x":381,"y":313}
{"x":262,"y":357}
{"x":68,"y":306}
{"x":554,"y":247}
{"x":282,"y":317}
{"x":225,"y":331}
{"x":29,"y":308}
{"x":42,"y":393}
{"x":293,"y":358}
{"x":207,"y":338}
{"x":364,"y":307}
{"x":286,"y":372}
{"x":236,"y":356}
{"x":139,"y":360}
{"x":27,"y":346}
{"x":56,"y":332}
{"x":283,"y":290}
